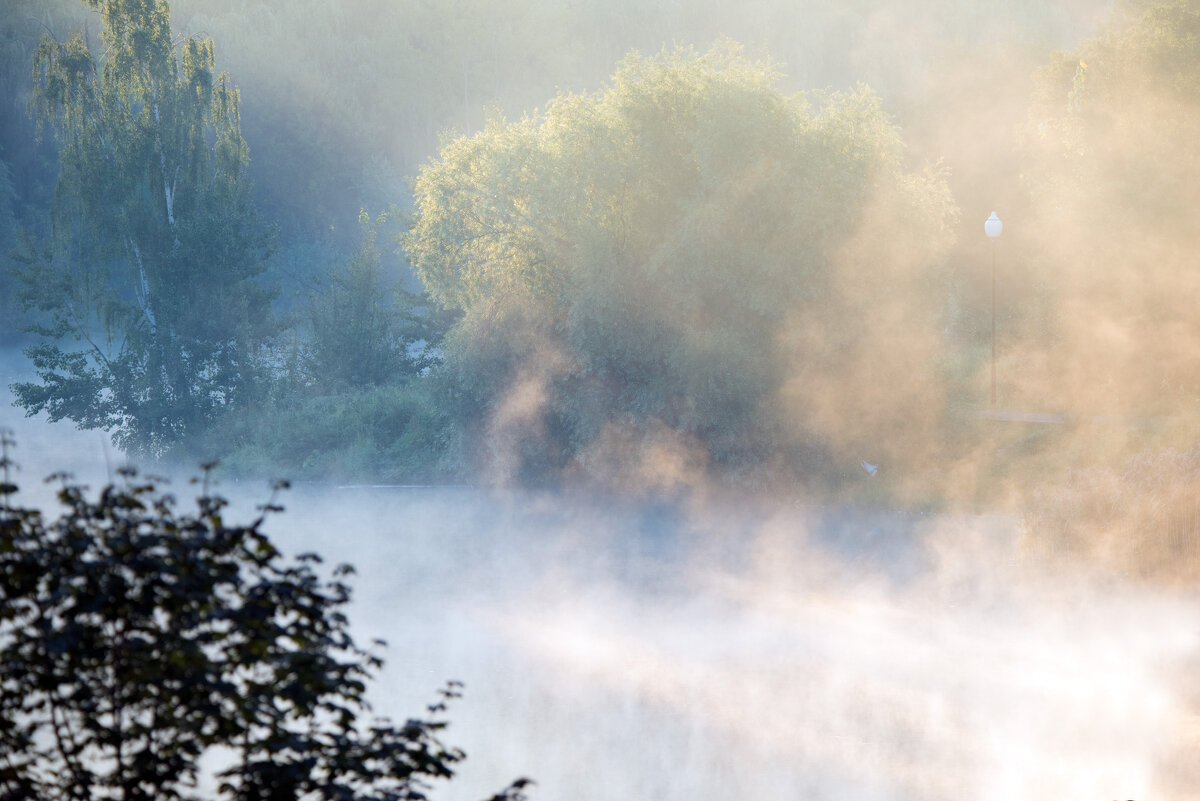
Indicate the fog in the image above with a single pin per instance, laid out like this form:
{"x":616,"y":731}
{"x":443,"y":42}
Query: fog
{"x":773,"y":651}
{"x":399,"y":74}
{"x":706,"y":644}
{"x":981,"y":608}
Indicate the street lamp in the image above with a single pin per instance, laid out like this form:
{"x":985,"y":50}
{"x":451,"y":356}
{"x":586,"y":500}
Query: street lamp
{"x":992,"y":227}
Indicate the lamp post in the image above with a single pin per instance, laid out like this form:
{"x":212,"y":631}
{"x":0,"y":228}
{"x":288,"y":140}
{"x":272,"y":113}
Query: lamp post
{"x":992,"y":227}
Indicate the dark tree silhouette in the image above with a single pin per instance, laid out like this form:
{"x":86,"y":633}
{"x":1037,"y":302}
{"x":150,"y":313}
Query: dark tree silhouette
{"x":135,"y":640}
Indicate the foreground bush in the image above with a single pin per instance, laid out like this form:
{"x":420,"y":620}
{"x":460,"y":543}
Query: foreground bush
{"x":136,"y":640}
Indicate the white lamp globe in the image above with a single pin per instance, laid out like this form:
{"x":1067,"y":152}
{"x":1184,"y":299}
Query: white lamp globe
{"x":992,"y":227}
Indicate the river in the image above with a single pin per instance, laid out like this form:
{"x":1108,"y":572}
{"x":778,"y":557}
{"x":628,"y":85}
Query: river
{"x":711,"y":647}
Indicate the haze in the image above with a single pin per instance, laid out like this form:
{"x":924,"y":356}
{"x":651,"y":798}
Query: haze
{"x":641,"y":356}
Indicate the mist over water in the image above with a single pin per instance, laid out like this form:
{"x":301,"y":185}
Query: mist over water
{"x":759,"y":649}
{"x":708,"y":645}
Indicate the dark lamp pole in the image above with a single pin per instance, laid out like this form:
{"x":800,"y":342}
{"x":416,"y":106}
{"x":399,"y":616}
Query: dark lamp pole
{"x":992,"y":227}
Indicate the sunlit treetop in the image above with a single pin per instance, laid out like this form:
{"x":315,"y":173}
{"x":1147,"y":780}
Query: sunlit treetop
{"x":658,"y":237}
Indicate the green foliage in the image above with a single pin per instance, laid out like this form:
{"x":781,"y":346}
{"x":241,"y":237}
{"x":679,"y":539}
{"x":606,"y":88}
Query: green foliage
{"x":677,"y":251}
{"x":392,"y":432}
{"x":359,"y":337}
{"x":1109,"y":116}
{"x":22,"y":26}
{"x":350,"y":396}
{"x":136,"y":640}
{"x":155,"y":243}
{"x":27,"y":165}
{"x":10,"y":309}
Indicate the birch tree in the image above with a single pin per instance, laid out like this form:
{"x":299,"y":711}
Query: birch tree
{"x":147,"y":283}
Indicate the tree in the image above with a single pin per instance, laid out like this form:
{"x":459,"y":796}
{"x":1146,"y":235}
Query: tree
{"x":135,"y":640}
{"x":1114,"y":177}
{"x":359,"y":336}
{"x":686,"y":257}
{"x":9,"y":309}
{"x":155,"y":243}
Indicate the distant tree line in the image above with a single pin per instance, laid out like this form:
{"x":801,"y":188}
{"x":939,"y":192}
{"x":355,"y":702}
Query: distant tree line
{"x":690,"y":264}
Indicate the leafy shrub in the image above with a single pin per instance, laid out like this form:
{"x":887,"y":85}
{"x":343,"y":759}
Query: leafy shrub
{"x":385,"y":433}
{"x":135,"y":640}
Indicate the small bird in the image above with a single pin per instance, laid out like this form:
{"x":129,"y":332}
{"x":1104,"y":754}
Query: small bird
{"x":870,"y":468}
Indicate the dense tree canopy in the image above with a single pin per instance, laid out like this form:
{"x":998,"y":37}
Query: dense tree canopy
{"x":155,"y":243}
{"x":689,"y":252}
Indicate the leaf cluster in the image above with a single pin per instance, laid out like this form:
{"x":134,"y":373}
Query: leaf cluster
{"x":136,"y":639}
